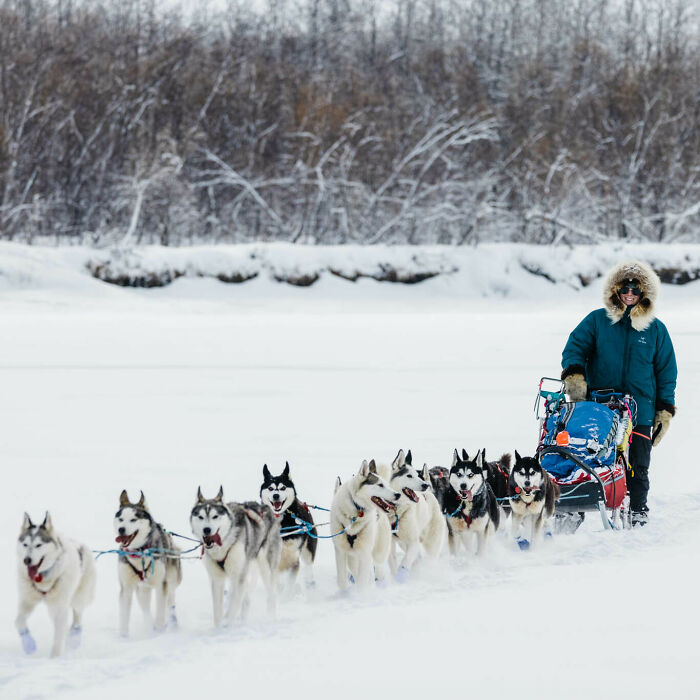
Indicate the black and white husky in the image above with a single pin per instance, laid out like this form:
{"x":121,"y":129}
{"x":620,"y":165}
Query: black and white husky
{"x":239,"y":539}
{"x":148,"y":561}
{"x":58,"y":571}
{"x":532,"y":495}
{"x":298,"y":540}
{"x":418,"y":519}
{"x":467,"y":501}
{"x":361,"y":536}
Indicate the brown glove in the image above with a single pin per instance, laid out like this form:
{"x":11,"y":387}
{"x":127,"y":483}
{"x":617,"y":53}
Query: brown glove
{"x":576,"y":387}
{"x":662,"y":420}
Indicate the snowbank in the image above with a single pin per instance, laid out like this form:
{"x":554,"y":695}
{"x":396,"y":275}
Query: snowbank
{"x":486,"y":270}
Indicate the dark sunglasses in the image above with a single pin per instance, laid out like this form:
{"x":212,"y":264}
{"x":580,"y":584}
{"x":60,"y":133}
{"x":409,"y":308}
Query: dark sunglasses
{"x":631,"y":289}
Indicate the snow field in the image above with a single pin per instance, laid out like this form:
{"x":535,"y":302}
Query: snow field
{"x":202,"y":383}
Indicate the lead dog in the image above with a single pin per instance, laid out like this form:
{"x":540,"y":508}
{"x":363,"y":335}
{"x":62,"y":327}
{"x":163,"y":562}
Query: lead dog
{"x":532,"y":495}
{"x":467,"y":501}
{"x":238,"y":540}
{"x":298,"y":540}
{"x":362,"y":537}
{"x":418,"y":519}
{"x":58,"y":571}
{"x":149,"y":562}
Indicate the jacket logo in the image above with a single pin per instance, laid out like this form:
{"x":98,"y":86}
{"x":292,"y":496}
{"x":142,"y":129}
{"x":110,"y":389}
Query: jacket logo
{"x":642,"y":340}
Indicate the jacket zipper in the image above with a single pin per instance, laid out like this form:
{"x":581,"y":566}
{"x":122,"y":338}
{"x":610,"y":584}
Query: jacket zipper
{"x":625,"y":356}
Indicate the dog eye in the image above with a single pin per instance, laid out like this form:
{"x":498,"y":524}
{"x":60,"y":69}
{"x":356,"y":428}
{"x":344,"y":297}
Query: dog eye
{"x":133,"y":520}
{"x":283,"y":488}
{"x":410,"y":476}
{"x":200,"y":517}
{"x":271,"y":488}
{"x":214,"y":517}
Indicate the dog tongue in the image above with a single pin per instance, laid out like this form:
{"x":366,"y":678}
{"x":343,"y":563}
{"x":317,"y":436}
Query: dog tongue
{"x":470,"y":496}
{"x":33,"y":572}
{"x":213,"y":539}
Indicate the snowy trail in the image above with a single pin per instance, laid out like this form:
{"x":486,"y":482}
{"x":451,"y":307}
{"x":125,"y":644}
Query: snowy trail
{"x":163,"y":394}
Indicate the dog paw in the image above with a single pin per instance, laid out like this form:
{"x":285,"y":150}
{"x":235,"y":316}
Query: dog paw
{"x":523,"y":544}
{"x":402,"y":575}
{"x":28,"y":643}
{"x":380,"y":582}
{"x":74,"y":637}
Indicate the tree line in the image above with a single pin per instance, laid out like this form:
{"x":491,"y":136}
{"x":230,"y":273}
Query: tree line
{"x":350,"y":121}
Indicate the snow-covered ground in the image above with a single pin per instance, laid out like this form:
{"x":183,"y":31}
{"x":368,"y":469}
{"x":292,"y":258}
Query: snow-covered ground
{"x":201,"y":383}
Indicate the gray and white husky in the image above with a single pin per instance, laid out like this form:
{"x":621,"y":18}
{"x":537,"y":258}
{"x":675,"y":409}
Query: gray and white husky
{"x":418,"y":519}
{"x":239,"y":539}
{"x":363,"y":534}
{"x":58,"y":571}
{"x":148,"y":561}
{"x":532,"y":496}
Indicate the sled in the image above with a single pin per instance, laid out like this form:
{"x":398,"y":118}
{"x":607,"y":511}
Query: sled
{"x":583,"y":446}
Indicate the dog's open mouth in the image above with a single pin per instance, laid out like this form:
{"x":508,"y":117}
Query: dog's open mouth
{"x":126,"y":540}
{"x":277,"y":506}
{"x":466,"y":495}
{"x":211,"y":540}
{"x":33,"y":570}
{"x":410,"y":493}
{"x":381,"y":503}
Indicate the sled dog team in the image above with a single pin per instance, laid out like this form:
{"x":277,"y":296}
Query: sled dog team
{"x":381,"y":520}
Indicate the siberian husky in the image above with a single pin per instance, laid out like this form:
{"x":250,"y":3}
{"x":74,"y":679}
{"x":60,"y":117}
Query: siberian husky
{"x":418,"y":518}
{"x":361,"y":535}
{"x":532,"y":497}
{"x":498,"y":476}
{"x":238,"y":540}
{"x":58,"y":571}
{"x":467,"y":501}
{"x":148,"y":561}
{"x":298,"y":540}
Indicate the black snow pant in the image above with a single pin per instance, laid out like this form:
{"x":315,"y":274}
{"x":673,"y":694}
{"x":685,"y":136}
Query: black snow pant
{"x":638,"y":474}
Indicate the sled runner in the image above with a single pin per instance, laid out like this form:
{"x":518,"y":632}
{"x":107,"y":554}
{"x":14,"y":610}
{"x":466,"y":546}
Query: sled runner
{"x":583,"y":446}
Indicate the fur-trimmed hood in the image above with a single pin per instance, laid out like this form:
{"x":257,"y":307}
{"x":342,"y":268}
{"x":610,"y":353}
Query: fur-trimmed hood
{"x":643,"y":313}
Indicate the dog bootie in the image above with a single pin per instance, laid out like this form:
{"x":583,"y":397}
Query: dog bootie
{"x":74,"y":637}
{"x":28,"y":643}
{"x":172,"y":618}
{"x":402,"y":575}
{"x":523,"y":544}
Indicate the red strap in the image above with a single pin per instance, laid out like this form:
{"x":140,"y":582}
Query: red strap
{"x":646,"y":437}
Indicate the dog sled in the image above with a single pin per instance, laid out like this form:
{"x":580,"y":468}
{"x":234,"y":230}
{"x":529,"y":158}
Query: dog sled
{"x":584,"y":446}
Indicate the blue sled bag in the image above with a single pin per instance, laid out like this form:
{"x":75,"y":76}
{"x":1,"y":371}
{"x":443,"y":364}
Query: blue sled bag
{"x":592,"y":429}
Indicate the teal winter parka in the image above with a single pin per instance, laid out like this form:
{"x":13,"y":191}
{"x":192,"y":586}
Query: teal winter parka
{"x":626,"y":349}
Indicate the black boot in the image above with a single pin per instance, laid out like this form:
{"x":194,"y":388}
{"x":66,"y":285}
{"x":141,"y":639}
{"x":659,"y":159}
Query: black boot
{"x":640,"y":517}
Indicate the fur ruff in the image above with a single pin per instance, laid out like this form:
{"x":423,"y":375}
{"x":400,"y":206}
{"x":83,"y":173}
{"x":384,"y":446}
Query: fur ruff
{"x":643,"y":313}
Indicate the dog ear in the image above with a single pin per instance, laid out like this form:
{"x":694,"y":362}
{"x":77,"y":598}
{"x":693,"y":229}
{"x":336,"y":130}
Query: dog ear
{"x":266,"y":473}
{"x":142,"y":502}
{"x":372,"y":467}
{"x":338,"y":484}
{"x":409,"y":458}
{"x":483,"y":455}
{"x":455,"y":457}
{"x":364,"y":468}
{"x":398,"y":461}
{"x":200,"y":497}
{"x":47,"y":524}
{"x":27,"y":522}
{"x":285,"y":473}
{"x":220,"y":495}
{"x":465,"y":456}
{"x":124,"y":499}
{"x":424,"y":473}
{"x":480,"y":459}
{"x":517,"y":456}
